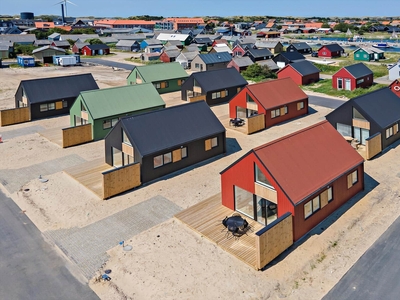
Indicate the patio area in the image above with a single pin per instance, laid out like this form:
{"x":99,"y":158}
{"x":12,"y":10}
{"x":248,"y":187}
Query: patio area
{"x":206,"y":218}
{"x":54,"y":135}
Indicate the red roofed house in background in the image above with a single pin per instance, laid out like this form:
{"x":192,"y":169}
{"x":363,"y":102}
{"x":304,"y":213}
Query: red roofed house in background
{"x":277,"y":100}
{"x":303,"y":72}
{"x":304,"y":176}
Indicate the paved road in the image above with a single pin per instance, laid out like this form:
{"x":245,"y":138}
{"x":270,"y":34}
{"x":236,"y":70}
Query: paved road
{"x":376,"y":274}
{"x":108,"y":63}
{"x":325,"y":101}
{"x":30,"y":267}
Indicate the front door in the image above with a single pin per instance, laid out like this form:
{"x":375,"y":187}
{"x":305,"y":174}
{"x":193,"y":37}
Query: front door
{"x":361,"y":134}
{"x":340,"y":84}
{"x":347,"y":84}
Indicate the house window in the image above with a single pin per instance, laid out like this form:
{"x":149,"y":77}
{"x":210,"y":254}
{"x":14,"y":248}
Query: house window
{"x":300,"y":105}
{"x":389,"y":132}
{"x":357,"y":115}
{"x":260,"y":177}
{"x":117,"y":157}
{"x":357,"y":55}
{"x":184,"y":152}
{"x":352,"y":179}
{"x":51,"y":106}
{"x":157,"y":85}
{"x":64,"y":104}
{"x":216,"y":95}
{"x":197,"y":66}
{"x":311,"y":207}
{"x":43,"y":107}
{"x":113,"y":122}
{"x":285,"y":110}
{"x":107,"y":124}
{"x":330,"y":194}
{"x":161,"y":160}
{"x":340,"y":84}
{"x":360,"y":80}
{"x":214,"y":142}
{"x":125,"y":139}
{"x":244,"y":202}
{"x":127,"y":159}
{"x":249,"y":99}
{"x":275,"y":113}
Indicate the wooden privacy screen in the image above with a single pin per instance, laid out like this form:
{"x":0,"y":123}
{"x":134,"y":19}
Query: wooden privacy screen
{"x":14,"y":116}
{"x":197,"y":98}
{"x":373,"y":145}
{"x":119,"y":180}
{"x":255,"y":123}
{"x":274,"y":239}
{"x":77,"y":135}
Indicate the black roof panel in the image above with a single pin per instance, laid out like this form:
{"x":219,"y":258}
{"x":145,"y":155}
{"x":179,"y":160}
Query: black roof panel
{"x":219,"y":79}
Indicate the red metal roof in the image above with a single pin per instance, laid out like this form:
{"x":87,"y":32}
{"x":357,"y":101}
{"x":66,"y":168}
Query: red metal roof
{"x":307,"y":160}
{"x":278,"y":92}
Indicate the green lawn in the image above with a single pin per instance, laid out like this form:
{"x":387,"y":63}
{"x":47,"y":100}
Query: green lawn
{"x":325,"y":86}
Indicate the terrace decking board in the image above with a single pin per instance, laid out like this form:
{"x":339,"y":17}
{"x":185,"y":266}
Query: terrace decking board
{"x":206,"y":218}
{"x":54,"y":135}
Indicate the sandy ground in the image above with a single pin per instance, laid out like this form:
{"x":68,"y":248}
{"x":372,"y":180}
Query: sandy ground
{"x":170,"y":261}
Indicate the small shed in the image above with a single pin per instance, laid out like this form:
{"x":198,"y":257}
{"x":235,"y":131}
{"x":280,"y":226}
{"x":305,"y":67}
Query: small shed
{"x":303,"y":72}
{"x":185,"y":59}
{"x":166,"y":140}
{"x":394,"y":71}
{"x":351,"y":77}
{"x":169,"y":55}
{"x":258,"y":54}
{"x":284,"y":58}
{"x":211,"y":61}
{"x":128,"y":45}
{"x":96,"y":49}
{"x":61,"y":44}
{"x":330,"y":50}
{"x":45,"y":54}
{"x":301,"y":47}
{"x":66,"y":60}
{"x":77,"y":47}
{"x":25,"y":61}
{"x":240,"y":63}
{"x":368,"y":54}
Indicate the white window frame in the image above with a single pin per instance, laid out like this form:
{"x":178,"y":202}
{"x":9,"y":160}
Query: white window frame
{"x":389,"y":132}
{"x":214,"y":142}
{"x":330,"y":194}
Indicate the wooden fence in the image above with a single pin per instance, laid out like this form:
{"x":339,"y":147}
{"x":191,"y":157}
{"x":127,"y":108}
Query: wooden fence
{"x":255,"y":123}
{"x":119,"y":180}
{"x":14,"y":116}
{"x":197,"y":98}
{"x":273,"y":239}
{"x":373,"y":145}
{"x":77,"y":135}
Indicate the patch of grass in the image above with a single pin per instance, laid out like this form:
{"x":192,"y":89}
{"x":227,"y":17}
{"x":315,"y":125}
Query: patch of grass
{"x":327,"y":69}
{"x":334,"y":244}
{"x":325,"y":86}
{"x":321,"y":258}
{"x":139,"y":61}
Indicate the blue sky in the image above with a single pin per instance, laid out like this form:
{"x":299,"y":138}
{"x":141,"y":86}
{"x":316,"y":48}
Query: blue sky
{"x":187,"y":8}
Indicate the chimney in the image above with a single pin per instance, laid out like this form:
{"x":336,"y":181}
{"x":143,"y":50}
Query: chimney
{"x":62,"y":14}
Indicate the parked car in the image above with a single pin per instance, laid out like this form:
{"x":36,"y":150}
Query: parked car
{"x":314,"y":54}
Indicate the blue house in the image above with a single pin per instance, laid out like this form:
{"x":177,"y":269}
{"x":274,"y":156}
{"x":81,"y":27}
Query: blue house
{"x":26,"y":61}
{"x":151,"y":42}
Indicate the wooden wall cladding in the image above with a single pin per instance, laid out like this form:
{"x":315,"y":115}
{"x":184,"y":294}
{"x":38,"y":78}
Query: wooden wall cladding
{"x":14,"y":116}
{"x":77,"y":135}
{"x":373,"y":145}
{"x":119,"y":180}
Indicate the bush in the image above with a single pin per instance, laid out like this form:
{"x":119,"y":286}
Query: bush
{"x":257,"y":73}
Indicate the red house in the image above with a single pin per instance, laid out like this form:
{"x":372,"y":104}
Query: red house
{"x":169,"y":55}
{"x":352,"y":77}
{"x":220,"y":41}
{"x":97,"y":49}
{"x":395,"y":87}
{"x":303,"y":72}
{"x":309,"y":174}
{"x":238,"y":51}
{"x":278,"y":100}
{"x":330,"y":50}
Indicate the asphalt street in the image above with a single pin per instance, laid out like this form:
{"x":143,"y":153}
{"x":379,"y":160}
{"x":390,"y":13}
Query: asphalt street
{"x":325,"y":101}
{"x":108,"y":63}
{"x":376,"y":274}
{"x":30,"y":267}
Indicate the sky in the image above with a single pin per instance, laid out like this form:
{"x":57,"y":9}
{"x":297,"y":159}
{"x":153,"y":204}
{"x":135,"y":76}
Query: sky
{"x":223,"y":8}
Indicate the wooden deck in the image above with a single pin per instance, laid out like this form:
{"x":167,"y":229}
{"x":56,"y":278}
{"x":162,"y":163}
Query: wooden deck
{"x":54,"y":135}
{"x":206,"y":218}
{"x":225,"y":120}
{"x":89,"y":174}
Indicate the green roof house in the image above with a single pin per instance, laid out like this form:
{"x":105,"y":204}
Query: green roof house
{"x":368,"y":54}
{"x":166,"y":77}
{"x":103,"y":108}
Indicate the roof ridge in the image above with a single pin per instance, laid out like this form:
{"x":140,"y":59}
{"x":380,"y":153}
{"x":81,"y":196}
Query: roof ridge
{"x":116,"y":87}
{"x":43,"y":78}
{"x":290,"y":135}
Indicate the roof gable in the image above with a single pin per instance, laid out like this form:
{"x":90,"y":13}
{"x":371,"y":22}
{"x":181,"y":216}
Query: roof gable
{"x":304,"y":68}
{"x":119,"y":100}
{"x":278,"y":92}
{"x":159,"y":72}
{"x":307,"y":160}
{"x":219,"y":79}
{"x":47,"y":89}
{"x":214,"y":58}
{"x":171,"y":127}
{"x":301,"y":46}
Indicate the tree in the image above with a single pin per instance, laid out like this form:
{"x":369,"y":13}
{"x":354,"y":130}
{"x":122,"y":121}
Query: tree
{"x":94,"y":41}
{"x":325,"y":25}
{"x":23,"y":49}
{"x":257,"y":72}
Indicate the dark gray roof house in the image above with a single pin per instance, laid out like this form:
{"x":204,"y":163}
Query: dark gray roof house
{"x":358,"y":70}
{"x":363,"y":117}
{"x":168,"y":140}
{"x":285,"y":58}
{"x":216,"y":86}
{"x":258,"y":54}
{"x":302,"y":47}
{"x":52,"y":96}
{"x":202,"y":40}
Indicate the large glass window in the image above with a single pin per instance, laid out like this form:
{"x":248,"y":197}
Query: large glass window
{"x":343,"y":129}
{"x":266,"y":211}
{"x":311,"y":207}
{"x":125,"y":138}
{"x":163,"y":159}
{"x":357,"y":115}
{"x":43,"y":107}
{"x":184,"y":152}
{"x":117,"y":157}
{"x":260,"y":177}
{"x":244,"y":202}
{"x":214,"y":142}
